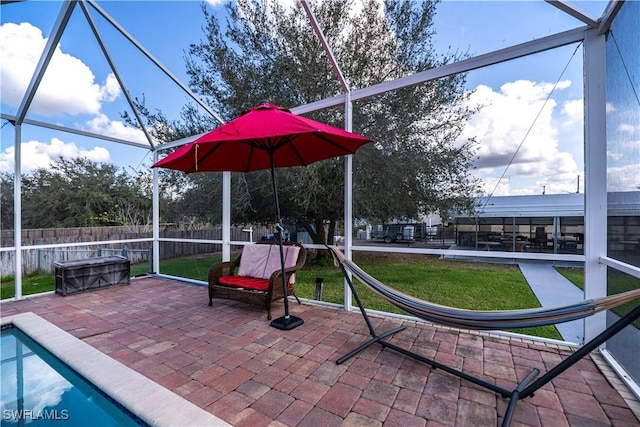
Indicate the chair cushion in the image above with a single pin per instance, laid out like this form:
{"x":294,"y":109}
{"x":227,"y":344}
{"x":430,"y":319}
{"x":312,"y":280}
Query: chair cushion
{"x":244,"y":282}
{"x":260,"y":260}
{"x":254,"y":261}
{"x":291,"y":258}
{"x":273,"y":262}
{"x":247,"y":283}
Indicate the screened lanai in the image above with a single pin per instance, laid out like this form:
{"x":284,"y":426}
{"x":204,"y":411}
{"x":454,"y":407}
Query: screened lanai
{"x":600,"y":116}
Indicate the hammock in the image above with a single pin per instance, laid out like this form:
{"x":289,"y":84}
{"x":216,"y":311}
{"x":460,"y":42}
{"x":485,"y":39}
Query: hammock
{"x":487,"y":319}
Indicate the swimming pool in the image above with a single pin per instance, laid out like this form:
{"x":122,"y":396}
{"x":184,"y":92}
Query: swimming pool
{"x":38,"y":389}
{"x":147,"y":401}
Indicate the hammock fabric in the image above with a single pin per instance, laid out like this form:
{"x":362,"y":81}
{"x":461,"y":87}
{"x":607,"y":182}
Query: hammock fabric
{"x":479,"y":319}
{"x":487,"y":320}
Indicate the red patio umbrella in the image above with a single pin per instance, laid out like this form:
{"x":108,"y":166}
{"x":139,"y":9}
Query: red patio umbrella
{"x":265,"y":137}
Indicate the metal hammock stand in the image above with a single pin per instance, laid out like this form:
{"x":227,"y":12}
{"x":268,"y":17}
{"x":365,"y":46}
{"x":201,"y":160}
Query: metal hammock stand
{"x":486,"y":320}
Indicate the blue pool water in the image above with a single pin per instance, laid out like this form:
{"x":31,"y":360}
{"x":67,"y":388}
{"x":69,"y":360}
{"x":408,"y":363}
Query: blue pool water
{"x":39,"y":390}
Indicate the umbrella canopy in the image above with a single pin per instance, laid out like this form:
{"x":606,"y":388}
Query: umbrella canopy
{"x":265,"y":137}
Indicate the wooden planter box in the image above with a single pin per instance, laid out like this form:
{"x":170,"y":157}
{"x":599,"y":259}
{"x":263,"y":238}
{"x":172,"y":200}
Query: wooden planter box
{"x":91,"y":273}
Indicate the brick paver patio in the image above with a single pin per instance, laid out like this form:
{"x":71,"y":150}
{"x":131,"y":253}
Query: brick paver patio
{"x":229,"y":361}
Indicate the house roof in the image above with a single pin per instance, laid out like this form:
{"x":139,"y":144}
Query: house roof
{"x":619,"y":204}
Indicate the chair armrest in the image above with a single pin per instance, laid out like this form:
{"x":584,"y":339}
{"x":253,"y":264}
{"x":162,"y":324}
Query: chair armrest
{"x":286,"y":270}
{"x":275,"y":276}
{"x":275,"y":281}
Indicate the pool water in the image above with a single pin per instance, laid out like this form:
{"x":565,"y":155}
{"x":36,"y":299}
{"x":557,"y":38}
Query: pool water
{"x":37,"y":389}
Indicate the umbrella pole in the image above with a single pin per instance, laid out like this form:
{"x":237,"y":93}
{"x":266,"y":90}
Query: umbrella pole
{"x":285,"y":322}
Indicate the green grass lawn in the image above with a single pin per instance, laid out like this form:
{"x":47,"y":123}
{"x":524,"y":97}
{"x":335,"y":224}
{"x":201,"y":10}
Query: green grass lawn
{"x":458,"y":284}
{"x":39,"y":282}
{"x":574,"y":275}
{"x":32,"y":284}
{"x":472,"y":286}
{"x":617,"y":282}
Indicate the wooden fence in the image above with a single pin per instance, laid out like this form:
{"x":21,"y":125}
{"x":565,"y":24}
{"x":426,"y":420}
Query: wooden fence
{"x":42,"y":259}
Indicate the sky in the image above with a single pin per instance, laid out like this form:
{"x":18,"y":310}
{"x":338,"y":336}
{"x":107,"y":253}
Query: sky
{"x":529,"y":129}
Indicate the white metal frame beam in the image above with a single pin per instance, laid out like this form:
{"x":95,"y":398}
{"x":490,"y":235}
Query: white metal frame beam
{"x":49,"y":49}
{"x":572,"y":10}
{"x":149,"y":56}
{"x":513,"y":52}
{"x":609,"y":14}
{"x":595,"y":164}
{"x":12,"y":119}
{"x":178,"y":142}
{"x":36,"y":78}
{"x":155,"y":212}
{"x":325,"y":45}
{"x":17,"y":210}
{"x":348,"y":161}
{"x":115,"y":72}
{"x":491,"y":58}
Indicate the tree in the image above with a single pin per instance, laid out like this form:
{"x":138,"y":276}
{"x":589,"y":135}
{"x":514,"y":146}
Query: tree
{"x":199,"y":195}
{"x":80,"y":193}
{"x":265,"y":51}
{"x":6,"y":201}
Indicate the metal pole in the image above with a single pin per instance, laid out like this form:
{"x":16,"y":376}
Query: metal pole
{"x":348,"y":202}
{"x":595,"y":190}
{"x":17,"y":211}
{"x":155,"y":248}
{"x":286,"y":322}
{"x":226,"y":216}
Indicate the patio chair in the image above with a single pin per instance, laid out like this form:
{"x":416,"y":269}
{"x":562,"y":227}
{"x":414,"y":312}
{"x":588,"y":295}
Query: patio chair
{"x":540,"y":238}
{"x":255,"y":276}
{"x":487,"y":320}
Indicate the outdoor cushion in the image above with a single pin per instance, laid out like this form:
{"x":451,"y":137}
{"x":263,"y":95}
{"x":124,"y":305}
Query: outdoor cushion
{"x":244,"y":282}
{"x":290,"y":260}
{"x":254,"y":260}
{"x":260,"y":261}
{"x":273,"y":262}
{"x":253,"y":276}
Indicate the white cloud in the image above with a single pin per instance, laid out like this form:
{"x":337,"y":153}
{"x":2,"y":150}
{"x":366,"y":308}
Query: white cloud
{"x":505,"y":126}
{"x":36,"y":154}
{"x":629,"y":128}
{"x":102,"y":125}
{"x":68,"y":85}
{"x":214,"y":3}
{"x":67,"y":88}
{"x":573,"y":112}
{"x":45,"y":385}
{"x":111,"y":89}
{"x":624,"y":178}
{"x":614,"y":155}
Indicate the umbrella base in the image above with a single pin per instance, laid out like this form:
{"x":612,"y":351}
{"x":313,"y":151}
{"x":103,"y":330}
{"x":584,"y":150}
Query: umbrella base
{"x":287,"y":323}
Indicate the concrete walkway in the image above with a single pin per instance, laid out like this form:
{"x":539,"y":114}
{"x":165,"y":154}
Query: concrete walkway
{"x":553,"y":289}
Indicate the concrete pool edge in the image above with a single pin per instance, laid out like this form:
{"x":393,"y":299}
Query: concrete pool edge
{"x":151,"y":402}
